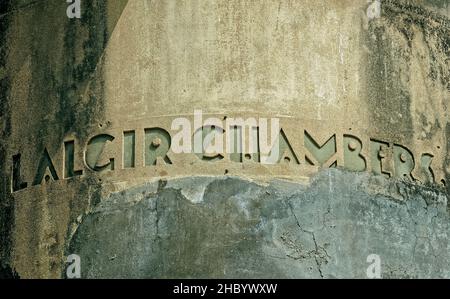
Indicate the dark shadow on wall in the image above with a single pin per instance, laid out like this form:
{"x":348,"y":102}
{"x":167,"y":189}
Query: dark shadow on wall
{"x":58,"y":93}
{"x":8,"y":273}
{"x":6,"y":204}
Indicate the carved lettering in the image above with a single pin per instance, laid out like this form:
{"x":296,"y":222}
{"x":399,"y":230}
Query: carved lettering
{"x":321,"y":155}
{"x":69,"y":160}
{"x":157,"y":146}
{"x":45,"y":165}
{"x":353,"y":160}
{"x":17,"y":183}
{"x":244,"y":142}
{"x":95,"y":148}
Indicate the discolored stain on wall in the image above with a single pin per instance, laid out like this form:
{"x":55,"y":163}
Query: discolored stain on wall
{"x":6,"y":203}
{"x":47,"y":64}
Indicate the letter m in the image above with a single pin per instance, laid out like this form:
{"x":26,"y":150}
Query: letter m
{"x":236,"y":137}
{"x":321,"y":155}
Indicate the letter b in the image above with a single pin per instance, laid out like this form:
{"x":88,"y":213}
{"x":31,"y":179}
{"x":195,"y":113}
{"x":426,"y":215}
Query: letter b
{"x":236,"y":288}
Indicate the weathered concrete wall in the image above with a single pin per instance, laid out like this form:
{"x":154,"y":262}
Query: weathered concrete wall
{"x":231,"y":228}
{"x":332,"y":68}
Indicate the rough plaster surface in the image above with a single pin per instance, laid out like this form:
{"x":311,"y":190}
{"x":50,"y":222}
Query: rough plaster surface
{"x":238,"y":228}
{"x":376,"y":67}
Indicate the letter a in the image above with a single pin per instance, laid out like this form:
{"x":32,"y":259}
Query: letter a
{"x":74,"y":9}
{"x":74,"y":269}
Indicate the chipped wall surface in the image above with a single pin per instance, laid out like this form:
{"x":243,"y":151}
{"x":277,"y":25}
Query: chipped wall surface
{"x":87,"y":105}
{"x":226,"y":227}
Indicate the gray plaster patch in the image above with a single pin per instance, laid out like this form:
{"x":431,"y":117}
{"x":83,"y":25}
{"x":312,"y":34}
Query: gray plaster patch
{"x":234,"y":228}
